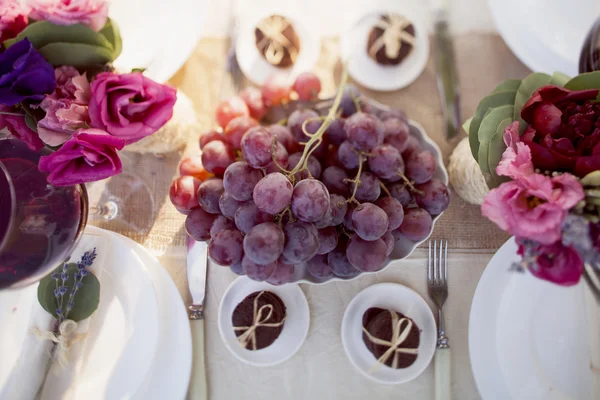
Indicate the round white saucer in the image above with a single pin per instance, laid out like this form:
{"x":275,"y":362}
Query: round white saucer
{"x":294,"y":330}
{"x":400,"y":298}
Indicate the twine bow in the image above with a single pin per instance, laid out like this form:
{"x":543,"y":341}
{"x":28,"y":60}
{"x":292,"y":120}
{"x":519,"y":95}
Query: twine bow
{"x":258,"y":320}
{"x":398,"y":337}
{"x":65,"y":339}
{"x":274,"y":42}
{"x":393,"y":35}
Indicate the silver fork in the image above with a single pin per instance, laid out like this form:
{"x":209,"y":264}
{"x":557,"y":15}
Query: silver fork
{"x":437,"y":287}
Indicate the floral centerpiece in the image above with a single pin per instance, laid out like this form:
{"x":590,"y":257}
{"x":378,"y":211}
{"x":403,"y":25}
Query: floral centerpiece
{"x":59,"y":90}
{"x":537,"y":142}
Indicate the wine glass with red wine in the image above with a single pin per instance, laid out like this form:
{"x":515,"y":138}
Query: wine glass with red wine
{"x":40,"y":224}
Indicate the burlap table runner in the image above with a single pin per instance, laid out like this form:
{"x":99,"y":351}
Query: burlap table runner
{"x":483,"y":61}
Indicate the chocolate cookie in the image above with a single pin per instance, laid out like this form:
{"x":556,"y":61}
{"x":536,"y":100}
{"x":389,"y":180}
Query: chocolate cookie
{"x":243,"y":316}
{"x":378,"y":322}
{"x":391,"y":40}
{"x":277,"y":40}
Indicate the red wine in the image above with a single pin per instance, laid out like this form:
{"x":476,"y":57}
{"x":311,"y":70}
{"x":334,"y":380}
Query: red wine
{"x":39,"y":223}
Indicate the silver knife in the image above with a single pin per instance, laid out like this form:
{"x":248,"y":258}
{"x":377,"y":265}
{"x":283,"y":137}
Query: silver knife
{"x":447,"y":79}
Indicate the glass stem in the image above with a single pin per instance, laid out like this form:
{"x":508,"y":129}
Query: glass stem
{"x":107,"y":211}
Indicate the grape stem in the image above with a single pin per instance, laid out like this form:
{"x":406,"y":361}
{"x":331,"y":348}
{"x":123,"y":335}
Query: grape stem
{"x":316,"y":138}
{"x":356,"y":180}
{"x":410,"y":184}
{"x":385,"y":189}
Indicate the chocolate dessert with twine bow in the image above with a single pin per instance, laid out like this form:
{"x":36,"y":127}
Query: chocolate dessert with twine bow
{"x":391,"y":39}
{"x":258,"y":320}
{"x":392,"y":338}
{"x":70,"y":294}
{"x":277,"y":41}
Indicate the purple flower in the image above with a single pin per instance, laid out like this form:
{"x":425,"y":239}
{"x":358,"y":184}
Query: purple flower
{"x":89,"y":155}
{"x":24,"y":74}
{"x":558,"y":264}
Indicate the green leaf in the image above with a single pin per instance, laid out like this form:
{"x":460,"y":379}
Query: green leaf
{"x":31,"y":122}
{"x":487,"y":130}
{"x":589,"y":80}
{"x":86,"y":299}
{"x":591,"y":179}
{"x":76,"y":54}
{"x":467,"y":124}
{"x":138,"y":70}
{"x":559,"y":79}
{"x":529,"y":85}
{"x":496,"y":148}
{"x":111,"y":32}
{"x":509,"y":85}
{"x":492,"y":101}
{"x":43,"y":33}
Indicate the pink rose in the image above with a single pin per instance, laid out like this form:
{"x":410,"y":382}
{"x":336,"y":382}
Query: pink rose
{"x":18,"y":128}
{"x":533,"y":207}
{"x":13,"y":18}
{"x":89,"y":155}
{"x":92,"y":13}
{"x":516,"y":159}
{"x":130,"y":106}
{"x":66,"y":108}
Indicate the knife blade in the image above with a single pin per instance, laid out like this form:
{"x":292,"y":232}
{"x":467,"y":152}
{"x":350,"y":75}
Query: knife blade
{"x":447,"y":79}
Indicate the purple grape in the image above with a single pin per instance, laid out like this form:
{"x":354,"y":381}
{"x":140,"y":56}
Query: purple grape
{"x":283,"y":274}
{"x":390,"y":242}
{"x":198,"y":224}
{"x":339,"y":263}
{"x":313,"y":165}
{"x":420,"y":167}
{"x":248,"y":216}
{"x":256,"y":147}
{"x":369,"y":188}
{"x":435,"y":198}
{"x":221,"y":223}
{"x":400,"y":192}
{"x":385,"y":161}
{"x":370,"y":222}
{"x":225,"y":247}
{"x":283,"y":259}
{"x":228,"y":205}
{"x":334,"y":179}
{"x":339,"y":207}
{"x":273,"y":193}
{"x":366,"y":256}
{"x":239,"y":180}
{"x":348,"y":155}
{"x":263,"y":244}
{"x":237,"y":268}
{"x":396,"y":133}
{"x":297,"y":118}
{"x":328,"y":239}
{"x":318,"y":267}
{"x":412,"y":146}
{"x":209,"y":193}
{"x":326,"y":220}
{"x":257,"y":272}
{"x":335,"y":132}
{"x":301,"y":242}
{"x":349,"y":99}
{"x":416,"y":225}
{"x":397,"y":234}
{"x":393,"y":209}
{"x":310,"y":200}
{"x":364,"y":131}
{"x":284,"y":136}
{"x":392,"y":113}
{"x":348,"y":224}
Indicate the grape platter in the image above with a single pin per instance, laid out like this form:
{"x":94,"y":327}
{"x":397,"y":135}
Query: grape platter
{"x":330,"y":189}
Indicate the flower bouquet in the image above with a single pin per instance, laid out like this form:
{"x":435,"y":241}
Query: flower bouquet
{"x":58,"y":88}
{"x":537,"y":142}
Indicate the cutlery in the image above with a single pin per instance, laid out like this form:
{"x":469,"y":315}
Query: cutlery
{"x":445,"y":64}
{"x":589,"y":58}
{"x":437,"y":286}
{"x":593,"y":280}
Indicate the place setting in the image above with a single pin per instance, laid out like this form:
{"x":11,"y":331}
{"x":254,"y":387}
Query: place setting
{"x":280,"y":213}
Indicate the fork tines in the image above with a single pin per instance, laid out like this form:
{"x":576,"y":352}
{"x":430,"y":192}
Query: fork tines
{"x":437,"y":266}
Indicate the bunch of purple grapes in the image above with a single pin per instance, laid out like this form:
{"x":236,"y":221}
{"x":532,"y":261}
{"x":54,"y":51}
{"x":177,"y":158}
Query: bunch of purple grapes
{"x":274,"y":201}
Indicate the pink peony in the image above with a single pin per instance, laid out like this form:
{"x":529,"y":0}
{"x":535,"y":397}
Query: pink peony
{"x":533,"y":207}
{"x":130,"y":106}
{"x":92,"y":13}
{"x":556,"y":263}
{"x":66,"y":108}
{"x":13,"y":18}
{"x":89,"y":155}
{"x":18,"y":128}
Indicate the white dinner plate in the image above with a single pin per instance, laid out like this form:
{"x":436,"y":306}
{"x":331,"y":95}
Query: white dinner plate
{"x":528,"y":339}
{"x":366,"y":71}
{"x":399,"y":298}
{"x":295,"y":328}
{"x":546,"y":35}
{"x":157,"y":35}
{"x":170,"y":371}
